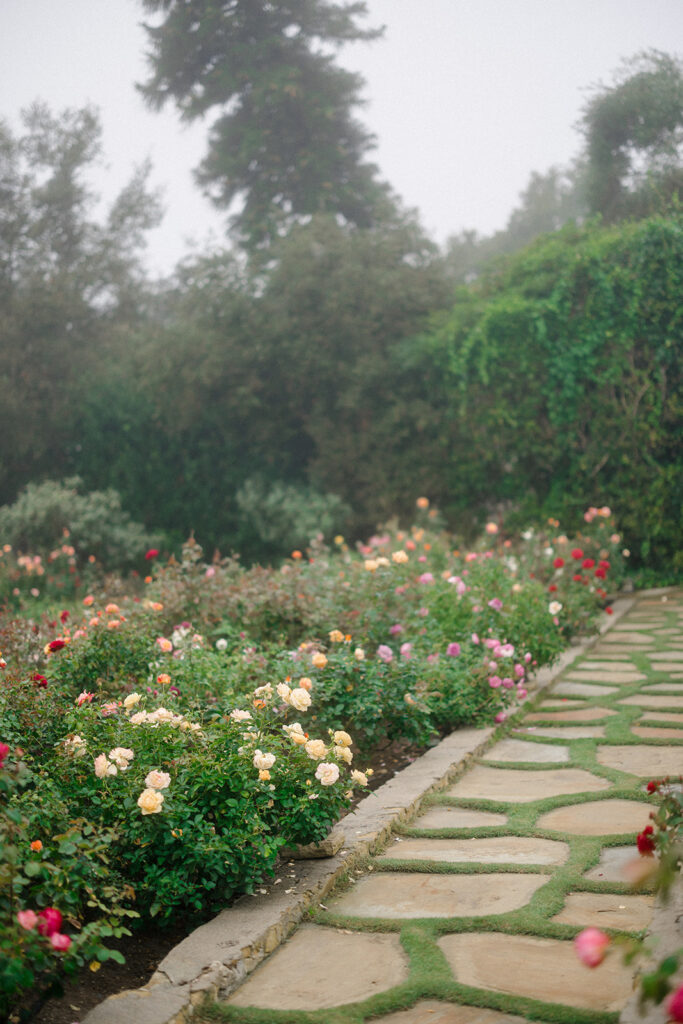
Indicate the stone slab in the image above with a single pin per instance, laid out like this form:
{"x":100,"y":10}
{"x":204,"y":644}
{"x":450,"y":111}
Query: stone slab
{"x":659,"y":716}
{"x":523,"y":750}
{"x":613,"y":865}
{"x":408,"y":895}
{"x":321,"y":967}
{"x":457,"y":817}
{"x":598,"y":818}
{"x":657,"y":733}
{"x":496,"y":850}
{"x":429,"y":1011}
{"x":605,"y":675}
{"x":652,"y":700}
{"x":519,"y":786}
{"x":667,"y":666}
{"x":668,"y":687}
{"x":567,"y":732}
{"x":602,"y":910}
{"x":643,"y":761}
{"x":628,"y":637}
{"x":613,"y":664}
{"x":546,"y":969}
{"x":576,"y":688}
{"x":582,"y":715}
{"x":676,"y":656}
{"x":153,"y":1004}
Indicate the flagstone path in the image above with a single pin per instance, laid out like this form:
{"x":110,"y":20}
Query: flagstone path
{"x":467,"y":916}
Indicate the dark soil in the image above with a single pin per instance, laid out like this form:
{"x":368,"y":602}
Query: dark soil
{"x":145,"y":949}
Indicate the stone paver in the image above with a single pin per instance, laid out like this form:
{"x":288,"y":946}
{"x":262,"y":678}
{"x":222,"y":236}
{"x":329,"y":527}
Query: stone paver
{"x":496,"y":850}
{"x":668,"y":687}
{"x":576,"y":688}
{"x":519,"y":786}
{"x":660,"y":716}
{"x":566,"y":732}
{"x":627,"y":637}
{"x":611,"y":665}
{"x":619,"y":676}
{"x":398,"y":895}
{"x":457,"y":817}
{"x":642,"y":760}
{"x":652,"y":700}
{"x":614,"y":863}
{"x":544,"y":969}
{"x":583,"y":715}
{"x":601,"y":818}
{"x":521,"y":750}
{"x":676,"y":656}
{"x":429,"y":1011}
{"x":657,"y":733}
{"x":337,"y":967}
{"x":600,"y":910}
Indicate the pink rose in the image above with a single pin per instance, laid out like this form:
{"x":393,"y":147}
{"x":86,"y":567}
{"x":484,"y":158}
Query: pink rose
{"x":27,"y":919}
{"x":60,"y":942}
{"x":496,"y":604}
{"x":385,"y":653}
{"x":426,"y":577}
{"x":590,"y":946}
{"x":50,"y":921}
{"x":495,"y":682}
{"x":453,"y":650}
{"x":406,"y":649}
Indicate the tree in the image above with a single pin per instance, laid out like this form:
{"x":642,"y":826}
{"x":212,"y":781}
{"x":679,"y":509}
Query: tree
{"x":285,"y":142}
{"x":634,"y":133}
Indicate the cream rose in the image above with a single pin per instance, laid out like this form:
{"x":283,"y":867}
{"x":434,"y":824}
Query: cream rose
{"x":150,"y":801}
{"x":240,"y":716}
{"x":131,"y":700}
{"x":300,"y":699}
{"x":326,"y":773}
{"x":158,"y":780}
{"x":121,"y":756}
{"x":263,"y":761}
{"x":344,"y":754}
{"x":359,"y":777}
{"x":139,"y":718}
{"x":104,"y":767}
{"x":319,"y":660}
{"x":283,"y":691}
{"x":359,"y":654}
{"x":316,"y":749}
{"x":342,"y":739}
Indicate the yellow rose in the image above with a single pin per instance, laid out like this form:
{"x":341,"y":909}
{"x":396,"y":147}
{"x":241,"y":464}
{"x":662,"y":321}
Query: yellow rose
{"x":342,"y":739}
{"x":150,"y":801}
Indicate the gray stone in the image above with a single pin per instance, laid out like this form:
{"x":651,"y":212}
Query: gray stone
{"x":159,"y":1003}
{"x":628,"y":637}
{"x":496,"y":850}
{"x":566,"y":732}
{"x":323,"y":967}
{"x":521,"y":750}
{"x":519,"y":786}
{"x":669,"y":687}
{"x":544,"y":969}
{"x":676,"y":656}
{"x":616,"y":863}
{"x":598,"y":818}
{"x":396,"y":895}
{"x":660,"y":716}
{"x":574,"y":688}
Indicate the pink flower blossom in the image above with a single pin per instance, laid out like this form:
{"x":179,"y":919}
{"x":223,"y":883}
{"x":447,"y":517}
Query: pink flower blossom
{"x":396,"y":628}
{"x":521,"y":693}
{"x":60,"y":942}
{"x":590,"y":946}
{"x":426,"y":577}
{"x":527,"y":658}
{"x":508,"y":683}
{"x":519,"y":671}
{"x":453,"y":650}
{"x":50,"y":921}
{"x":495,"y":682}
{"x":423,"y":611}
{"x":432,"y":659}
{"x":492,"y":666}
{"x":490,"y":643}
{"x":406,"y":650}
{"x":84,"y":698}
{"x":507,"y":651}
{"x":385,"y":653}
{"x":422,"y":558}
{"x":475,"y":638}
{"x":27,"y":919}
{"x":496,"y":604}
{"x":210,"y":572}
{"x":674,"y":1004}
{"x":500,"y":717}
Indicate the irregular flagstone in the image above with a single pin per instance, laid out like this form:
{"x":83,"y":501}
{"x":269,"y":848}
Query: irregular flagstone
{"x":614,"y":863}
{"x":521,"y":750}
{"x":618,"y":676}
{"x":457,"y":817}
{"x":581,"y":715}
{"x":545,"y":969}
{"x":628,"y":637}
{"x":581,"y":689}
{"x":429,"y":1011}
{"x":320,"y":967}
{"x":396,"y":895}
{"x":519,"y":786}
{"x":601,"y":910}
{"x":663,"y":687}
{"x":660,"y":716}
{"x":666,"y":656}
{"x":668,"y":666}
{"x":658,"y":733}
{"x":641,"y":760}
{"x":496,"y":850}
{"x":652,"y":700}
{"x":598,"y":818}
{"x":613,"y":664}
{"x":567,"y":732}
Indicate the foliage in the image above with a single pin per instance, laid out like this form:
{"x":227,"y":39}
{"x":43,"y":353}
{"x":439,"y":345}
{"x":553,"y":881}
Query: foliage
{"x":285,"y":141}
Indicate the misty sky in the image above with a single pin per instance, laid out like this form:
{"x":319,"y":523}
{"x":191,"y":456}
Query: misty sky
{"x":466,"y":97}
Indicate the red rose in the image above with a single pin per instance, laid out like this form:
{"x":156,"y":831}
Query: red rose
{"x":50,"y":921}
{"x":60,"y":942}
{"x":588,"y":563}
{"x":653,"y":786}
{"x":152,"y":553}
{"x":56,"y":645}
{"x":609,"y":611}
{"x":603,"y":564}
{"x":63,"y":617}
{"x":577,"y":553}
{"x":645,"y":842}
{"x":39,"y":680}
{"x":4,"y":751}
{"x":600,"y":574}
{"x":577,"y":578}
{"x":552,"y":588}
{"x":558,"y":563}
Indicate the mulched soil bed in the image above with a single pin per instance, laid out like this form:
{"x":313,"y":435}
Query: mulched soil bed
{"x":145,"y":949}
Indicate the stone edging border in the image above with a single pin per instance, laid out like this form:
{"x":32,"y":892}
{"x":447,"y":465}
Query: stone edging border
{"x":217,"y":957}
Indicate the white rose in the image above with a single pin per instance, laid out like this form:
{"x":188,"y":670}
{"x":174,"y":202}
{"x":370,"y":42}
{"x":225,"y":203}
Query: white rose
{"x":150,"y":801}
{"x":326,"y":773}
{"x":264,"y":692}
{"x":263,"y":761}
{"x":316,"y":749}
{"x":300,"y":699}
{"x":359,"y":654}
{"x":221,"y":645}
{"x":158,"y":780}
{"x":554,"y":607}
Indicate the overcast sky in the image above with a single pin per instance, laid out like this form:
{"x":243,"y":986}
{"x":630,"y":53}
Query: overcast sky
{"x":466,"y":97}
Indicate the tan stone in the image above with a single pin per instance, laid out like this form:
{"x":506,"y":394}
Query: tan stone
{"x":627,"y":637}
{"x":597,"y":818}
{"x":496,"y":850}
{"x":429,"y":1011}
{"x":583,"y":715}
{"x":520,"y":786}
{"x":397,"y":895}
{"x":668,"y":687}
{"x":666,"y":656}
{"x":576,"y":688}
{"x":657,"y":733}
{"x":567,"y":732}
{"x":652,"y":700}
{"x":613,"y":664}
{"x":642,"y":760}
{"x":544,"y":969}
{"x":660,"y":716}
{"x":667,"y":666}
{"x":533,"y":753}
{"x":605,"y":675}
{"x":321,"y":967}
{"x":600,"y":910}
{"x":614,"y":862}
{"x":457,"y":817}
